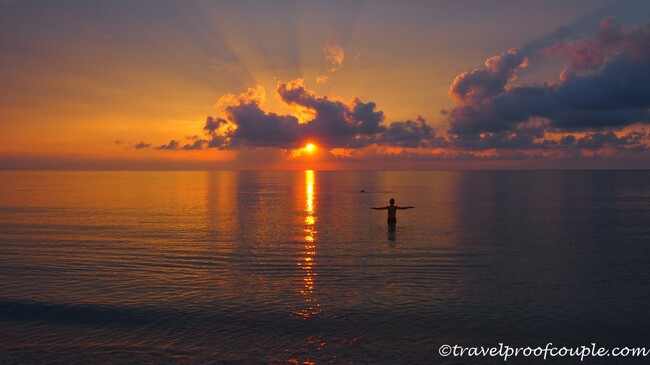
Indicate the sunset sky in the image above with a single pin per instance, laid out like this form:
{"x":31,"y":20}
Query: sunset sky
{"x":370,"y":84}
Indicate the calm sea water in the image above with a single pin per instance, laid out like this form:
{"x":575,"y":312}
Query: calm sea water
{"x":292,"y":267}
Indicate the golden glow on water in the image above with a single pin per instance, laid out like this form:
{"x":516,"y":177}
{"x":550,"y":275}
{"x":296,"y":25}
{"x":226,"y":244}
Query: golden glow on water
{"x":222,"y":205}
{"x":309,"y":193}
{"x":307,"y":263}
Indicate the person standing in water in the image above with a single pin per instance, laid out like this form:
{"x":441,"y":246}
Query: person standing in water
{"x":392,"y":210}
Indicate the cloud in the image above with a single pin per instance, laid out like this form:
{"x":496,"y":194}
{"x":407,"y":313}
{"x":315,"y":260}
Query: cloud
{"x":249,"y":125}
{"x":610,"y":41}
{"x":213,"y":124}
{"x":632,"y":141}
{"x":194,"y":143}
{"x":334,"y":55}
{"x":524,"y":136}
{"x":484,"y":82}
{"x":140,"y":145}
{"x":172,"y":145}
{"x":411,"y":134}
{"x":333,"y":124}
{"x":607,"y":87}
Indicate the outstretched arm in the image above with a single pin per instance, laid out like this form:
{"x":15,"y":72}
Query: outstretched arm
{"x":379,"y":208}
{"x":405,"y":207}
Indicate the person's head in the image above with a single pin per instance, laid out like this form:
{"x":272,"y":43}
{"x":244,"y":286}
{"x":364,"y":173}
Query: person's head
{"x":392,"y":201}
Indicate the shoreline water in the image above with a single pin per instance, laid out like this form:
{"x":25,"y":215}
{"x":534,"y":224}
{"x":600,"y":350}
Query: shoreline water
{"x":275,"y":267}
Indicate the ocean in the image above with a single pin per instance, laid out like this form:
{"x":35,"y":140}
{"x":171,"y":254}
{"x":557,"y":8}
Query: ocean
{"x":292,"y":267}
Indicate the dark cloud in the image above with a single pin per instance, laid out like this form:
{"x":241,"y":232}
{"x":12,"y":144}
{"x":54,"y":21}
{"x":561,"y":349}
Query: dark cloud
{"x":632,"y":141}
{"x":365,"y":118}
{"x":335,"y":124}
{"x":411,"y":134}
{"x":484,"y":82}
{"x":140,"y":145}
{"x":172,"y":145}
{"x":196,"y":143}
{"x":535,"y":137}
{"x":591,"y":101}
{"x":256,"y":128}
{"x":607,"y":87}
{"x":568,"y":140}
{"x":218,"y":142}
{"x":524,"y":136}
{"x":213,"y":124}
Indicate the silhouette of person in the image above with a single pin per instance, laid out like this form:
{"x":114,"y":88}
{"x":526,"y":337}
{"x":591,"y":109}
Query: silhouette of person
{"x":392,"y":210}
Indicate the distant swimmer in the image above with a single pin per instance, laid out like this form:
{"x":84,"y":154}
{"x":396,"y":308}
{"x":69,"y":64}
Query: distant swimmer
{"x":392,"y":210}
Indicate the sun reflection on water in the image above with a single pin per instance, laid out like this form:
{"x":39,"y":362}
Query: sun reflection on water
{"x":307,"y":263}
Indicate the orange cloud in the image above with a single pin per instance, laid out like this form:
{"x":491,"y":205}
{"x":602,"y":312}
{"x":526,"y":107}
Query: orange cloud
{"x":334,"y":55}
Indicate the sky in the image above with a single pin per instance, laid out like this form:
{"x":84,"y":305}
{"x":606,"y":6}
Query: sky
{"x":371,"y":84}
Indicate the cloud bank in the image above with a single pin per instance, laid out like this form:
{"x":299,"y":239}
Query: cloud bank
{"x":605,"y":89}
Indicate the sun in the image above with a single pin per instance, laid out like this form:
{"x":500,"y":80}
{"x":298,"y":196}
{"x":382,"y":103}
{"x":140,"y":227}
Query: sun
{"x":310,"y":147}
